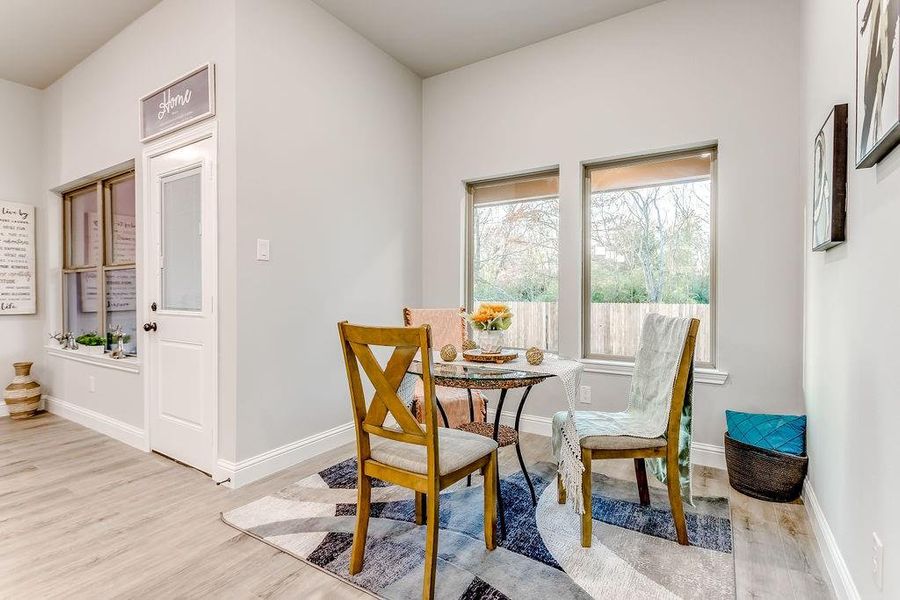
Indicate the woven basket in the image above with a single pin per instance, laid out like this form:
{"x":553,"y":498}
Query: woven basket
{"x":764,"y":474}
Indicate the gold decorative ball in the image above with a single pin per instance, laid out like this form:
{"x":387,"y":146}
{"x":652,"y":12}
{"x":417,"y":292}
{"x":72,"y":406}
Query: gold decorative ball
{"x":469,"y":345}
{"x":448,"y":353}
{"x":534,"y":356}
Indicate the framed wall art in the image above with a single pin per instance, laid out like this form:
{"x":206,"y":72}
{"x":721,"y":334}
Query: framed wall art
{"x":17,"y":275}
{"x":877,"y":80}
{"x":188,"y":99}
{"x":830,"y":181}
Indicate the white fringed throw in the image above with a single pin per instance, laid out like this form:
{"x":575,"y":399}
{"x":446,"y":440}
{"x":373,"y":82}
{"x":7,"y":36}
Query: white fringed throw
{"x":647,"y":415}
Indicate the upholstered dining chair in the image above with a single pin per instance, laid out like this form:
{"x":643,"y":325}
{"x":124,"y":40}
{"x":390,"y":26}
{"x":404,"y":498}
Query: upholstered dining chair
{"x":422,"y":457}
{"x":457,"y":406}
{"x":665,"y":447}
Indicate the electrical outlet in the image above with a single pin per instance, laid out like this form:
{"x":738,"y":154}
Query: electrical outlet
{"x":585,"y":395}
{"x":877,"y":561}
{"x":92,"y":384}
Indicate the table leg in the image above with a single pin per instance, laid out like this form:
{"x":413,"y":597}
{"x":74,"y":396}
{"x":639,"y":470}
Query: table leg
{"x":471,"y":420}
{"x":499,"y":491}
{"x":443,"y":414}
{"x":519,"y":446}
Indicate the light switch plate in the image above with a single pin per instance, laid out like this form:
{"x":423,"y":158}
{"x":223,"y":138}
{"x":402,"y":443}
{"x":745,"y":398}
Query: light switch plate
{"x":262,"y":249}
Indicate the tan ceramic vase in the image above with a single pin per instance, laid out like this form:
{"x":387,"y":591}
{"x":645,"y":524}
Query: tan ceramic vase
{"x":23,"y":394}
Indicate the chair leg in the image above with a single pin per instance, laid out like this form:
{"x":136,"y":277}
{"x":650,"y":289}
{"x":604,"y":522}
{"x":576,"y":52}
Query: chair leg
{"x":420,"y":508}
{"x":560,"y":490}
{"x":431,"y":544}
{"x":363,"y":505}
{"x":640,"y":473}
{"x":490,"y":502}
{"x":673,"y":477}
{"x":587,"y":522}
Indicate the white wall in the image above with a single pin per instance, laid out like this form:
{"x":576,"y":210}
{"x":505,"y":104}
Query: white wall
{"x":851,"y":374}
{"x":675,"y":73}
{"x":20,"y":159}
{"x":329,"y":131}
{"x":91,"y":124}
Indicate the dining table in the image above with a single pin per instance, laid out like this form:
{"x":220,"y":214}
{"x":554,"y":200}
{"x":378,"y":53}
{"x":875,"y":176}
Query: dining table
{"x":494,"y":377}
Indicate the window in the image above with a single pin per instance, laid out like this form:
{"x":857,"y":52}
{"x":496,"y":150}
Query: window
{"x":648,"y":248}
{"x":513,"y":254}
{"x":99,"y":259}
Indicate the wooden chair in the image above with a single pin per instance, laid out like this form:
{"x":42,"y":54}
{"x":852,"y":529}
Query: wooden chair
{"x":600,"y":447}
{"x":425,"y":458}
{"x":457,"y":407}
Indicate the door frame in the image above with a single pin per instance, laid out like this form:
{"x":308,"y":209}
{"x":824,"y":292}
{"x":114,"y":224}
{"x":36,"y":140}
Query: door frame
{"x":174,"y":141}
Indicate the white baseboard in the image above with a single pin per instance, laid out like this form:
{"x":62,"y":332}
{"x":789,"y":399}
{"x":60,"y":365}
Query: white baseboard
{"x":708,"y":455}
{"x":840,"y":576}
{"x":267,"y":463}
{"x":527,"y":423}
{"x":4,"y":411}
{"x":128,"y":434}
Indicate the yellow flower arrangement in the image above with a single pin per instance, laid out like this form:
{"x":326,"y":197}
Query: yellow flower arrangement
{"x":490,"y":316}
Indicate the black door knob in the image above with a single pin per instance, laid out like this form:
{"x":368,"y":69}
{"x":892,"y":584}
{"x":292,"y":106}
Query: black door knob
{"x":150,"y":326}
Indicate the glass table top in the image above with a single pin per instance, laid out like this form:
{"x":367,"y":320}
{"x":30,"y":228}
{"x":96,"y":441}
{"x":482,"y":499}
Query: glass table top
{"x":475,"y":373}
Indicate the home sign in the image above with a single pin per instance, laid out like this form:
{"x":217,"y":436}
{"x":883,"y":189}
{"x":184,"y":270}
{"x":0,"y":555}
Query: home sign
{"x":185,"y":101}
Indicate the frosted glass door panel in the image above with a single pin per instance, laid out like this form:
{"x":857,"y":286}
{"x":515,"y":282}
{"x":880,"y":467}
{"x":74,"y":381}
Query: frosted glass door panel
{"x":181,"y":270}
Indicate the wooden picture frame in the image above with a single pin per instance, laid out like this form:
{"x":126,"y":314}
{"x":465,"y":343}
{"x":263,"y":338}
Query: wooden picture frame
{"x":181,"y":103}
{"x":18,"y":293}
{"x":877,"y":80}
{"x":830,"y":181}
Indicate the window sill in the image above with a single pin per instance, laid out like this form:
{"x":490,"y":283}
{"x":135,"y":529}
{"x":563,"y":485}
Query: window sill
{"x":615,"y":367}
{"x":129,"y":364}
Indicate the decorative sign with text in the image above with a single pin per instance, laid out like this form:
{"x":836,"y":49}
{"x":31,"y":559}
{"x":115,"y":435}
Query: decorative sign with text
{"x":17,"y":295}
{"x":183,"y":102}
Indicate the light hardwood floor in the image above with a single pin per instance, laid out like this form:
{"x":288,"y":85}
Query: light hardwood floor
{"x":85,"y":516}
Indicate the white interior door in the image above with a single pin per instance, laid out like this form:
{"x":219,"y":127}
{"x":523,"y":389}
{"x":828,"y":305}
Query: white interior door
{"x":181,"y":324}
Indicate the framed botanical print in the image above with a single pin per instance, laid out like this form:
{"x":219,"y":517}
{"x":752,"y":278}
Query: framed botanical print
{"x":830,"y":181}
{"x":877,"y":80}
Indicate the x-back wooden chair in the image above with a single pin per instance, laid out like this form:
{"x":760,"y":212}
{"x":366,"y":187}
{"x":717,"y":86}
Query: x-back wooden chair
{"x":424,"y":458}
{"x":601,"y":447}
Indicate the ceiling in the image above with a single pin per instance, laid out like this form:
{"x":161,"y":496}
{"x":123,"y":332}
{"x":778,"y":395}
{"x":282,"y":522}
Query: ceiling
{"x":40,"y":40}
{"x":433,"y":36}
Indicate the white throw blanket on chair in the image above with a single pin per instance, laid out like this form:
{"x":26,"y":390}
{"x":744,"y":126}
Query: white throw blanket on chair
{"x":647,"y":415}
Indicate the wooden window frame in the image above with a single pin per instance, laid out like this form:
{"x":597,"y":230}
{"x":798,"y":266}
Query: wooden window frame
{"x":469,"y":250}
{"x":103,"y":192}
{"x":588,"y":168}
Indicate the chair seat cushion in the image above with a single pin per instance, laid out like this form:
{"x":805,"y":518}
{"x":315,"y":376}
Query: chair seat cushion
{"x":621,"y":442}
{"x":456,"y":449}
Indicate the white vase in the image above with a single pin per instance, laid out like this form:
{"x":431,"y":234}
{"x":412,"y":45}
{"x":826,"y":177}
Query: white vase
{"x":490,"y":341}
{"x":94,"y":350}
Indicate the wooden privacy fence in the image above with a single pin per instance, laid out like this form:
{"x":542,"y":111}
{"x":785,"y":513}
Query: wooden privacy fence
{"x":615,"y":327}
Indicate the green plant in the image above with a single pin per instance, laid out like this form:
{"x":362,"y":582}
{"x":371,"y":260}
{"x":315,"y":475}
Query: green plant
{"x":90,"y":339}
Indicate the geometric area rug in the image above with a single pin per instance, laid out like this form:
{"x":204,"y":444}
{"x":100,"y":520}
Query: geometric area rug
{"x":633,"y":554}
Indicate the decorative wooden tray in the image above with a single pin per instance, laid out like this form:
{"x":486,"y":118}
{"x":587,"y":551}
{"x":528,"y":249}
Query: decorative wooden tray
{"x":499,"y":358}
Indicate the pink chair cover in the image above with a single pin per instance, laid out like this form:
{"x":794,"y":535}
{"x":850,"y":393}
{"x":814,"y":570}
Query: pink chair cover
{"x":447,"y":327}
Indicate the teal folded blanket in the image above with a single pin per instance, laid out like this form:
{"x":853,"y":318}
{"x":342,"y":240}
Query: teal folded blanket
{"x":782,"y":433}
